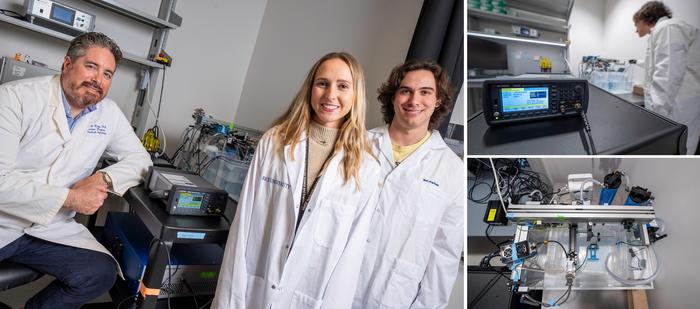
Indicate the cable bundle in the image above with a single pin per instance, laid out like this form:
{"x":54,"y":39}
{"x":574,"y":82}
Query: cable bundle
{"x":514,"y":182}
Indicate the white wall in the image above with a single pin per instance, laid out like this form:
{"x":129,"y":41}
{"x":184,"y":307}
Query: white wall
{"x":620,"y":39}
{"x":586,"y":31}
{"x":294,"y":34}
{"x":673,"y":182}
{"x":211,"y":53}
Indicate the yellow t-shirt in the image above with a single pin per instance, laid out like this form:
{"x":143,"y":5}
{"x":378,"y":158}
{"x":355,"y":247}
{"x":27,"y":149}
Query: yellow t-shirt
{"x":402,"y":152}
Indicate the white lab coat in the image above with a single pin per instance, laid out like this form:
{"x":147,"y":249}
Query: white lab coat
{"x":259,"y":271}
{"x":672,"y":81}
{"x":416,"y":238}
{"x":40,"y":159}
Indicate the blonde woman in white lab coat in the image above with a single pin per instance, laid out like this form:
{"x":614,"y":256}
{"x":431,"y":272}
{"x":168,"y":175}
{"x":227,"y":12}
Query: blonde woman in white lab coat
{"x":300,"y":228}
{"x":672,"y":80}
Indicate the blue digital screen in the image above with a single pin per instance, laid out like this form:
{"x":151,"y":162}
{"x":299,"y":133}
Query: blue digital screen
{"x":190,"y":199}
{"x":524,"y":99}
{"x":62,"y":14}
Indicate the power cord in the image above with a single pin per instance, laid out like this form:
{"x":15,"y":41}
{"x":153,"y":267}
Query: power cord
{"x":486,"y":264}
{"x":480,"y":173}
{"x":558,"y":243}
{"x":13,"y":14}
{"x":497,"y":245}
{"x":489,"y":285}
{"x":527,"y":299}
{"x":207,"y":303}
{"x":585,"y":258}
{"x":488,"y":236}
{"x":123,"y":301}
{"x":170,"y":262}
{"x":224,"y":216}
{"x":151,"y":138}
{"x":160,"y":194}
{"x":587,"y":130}
{"x":514,"y":182}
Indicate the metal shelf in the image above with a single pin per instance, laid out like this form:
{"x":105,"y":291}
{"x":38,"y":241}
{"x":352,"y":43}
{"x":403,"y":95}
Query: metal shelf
{"x":552,"y":8}
{"x":516,"y":39}
{"x":135,"y":14}
{"x":533,"y":20}
{"x":68,"y":38}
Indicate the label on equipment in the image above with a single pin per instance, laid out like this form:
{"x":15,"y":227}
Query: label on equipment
{"x":492,"y":215}
{"x":178,"y":179}
{"x":191,"y":235}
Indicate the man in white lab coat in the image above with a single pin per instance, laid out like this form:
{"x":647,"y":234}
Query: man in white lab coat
{"x":415,"y":245}
{"x":54,"y":130}
{"x":672,"y":81}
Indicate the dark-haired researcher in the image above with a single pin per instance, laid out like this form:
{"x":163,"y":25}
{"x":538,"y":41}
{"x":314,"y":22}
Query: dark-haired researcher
{"x":54,"y":129}
{"x":417,"y":233}
{"x":672,"y":80}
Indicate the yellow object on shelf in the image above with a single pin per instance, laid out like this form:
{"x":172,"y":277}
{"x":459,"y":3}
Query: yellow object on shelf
{"x":545,"y":64}
{"x":150,"y":141}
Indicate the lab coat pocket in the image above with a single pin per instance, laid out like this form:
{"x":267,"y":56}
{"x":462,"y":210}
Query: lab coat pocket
{"x":333,"y":221}
{"x":255,"y":291}
{"x":421,"y":206}
{"x":402,"y":285}
{"x":303,"y":301}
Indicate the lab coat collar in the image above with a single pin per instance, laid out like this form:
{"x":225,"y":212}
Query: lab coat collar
{"x":59,"y":112}
{"x":661,"y":19}
{"x":658,"y":22}
{"x":335,"y":180}
{"x":383,"y":142}
{"x":435,"y":142}
{"x":295,"y":170}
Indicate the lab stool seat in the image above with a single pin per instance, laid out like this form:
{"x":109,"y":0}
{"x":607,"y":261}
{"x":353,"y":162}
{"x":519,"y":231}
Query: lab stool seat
{"x":13,"y":275}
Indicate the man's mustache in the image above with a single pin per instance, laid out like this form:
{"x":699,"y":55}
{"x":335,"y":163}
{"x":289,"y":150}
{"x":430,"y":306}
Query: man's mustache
{"x":93,"y":85}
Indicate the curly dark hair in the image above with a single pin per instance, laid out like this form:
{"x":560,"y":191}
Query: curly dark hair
{"x":444,"y":92}
{"x":79,"y":45}
{"x":651,"y":12}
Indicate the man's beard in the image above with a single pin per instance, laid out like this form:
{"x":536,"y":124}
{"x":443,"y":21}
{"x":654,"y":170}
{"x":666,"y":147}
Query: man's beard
{"x":89,"y":98}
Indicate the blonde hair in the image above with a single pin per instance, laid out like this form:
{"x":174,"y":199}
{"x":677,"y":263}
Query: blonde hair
{"x":352,"y":140}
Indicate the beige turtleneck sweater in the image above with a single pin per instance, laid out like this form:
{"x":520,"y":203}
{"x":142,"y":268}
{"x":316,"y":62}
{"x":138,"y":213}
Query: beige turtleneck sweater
{"x":321,"y":143}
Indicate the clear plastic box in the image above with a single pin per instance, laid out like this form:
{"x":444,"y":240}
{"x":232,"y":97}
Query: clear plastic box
{"x":228,"y":175}
{"x":614,"y":82}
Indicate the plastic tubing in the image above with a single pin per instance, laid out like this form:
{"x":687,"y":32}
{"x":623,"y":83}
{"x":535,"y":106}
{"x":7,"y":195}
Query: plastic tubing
{"x":583,"y":186}
{"x":634,"y":281}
